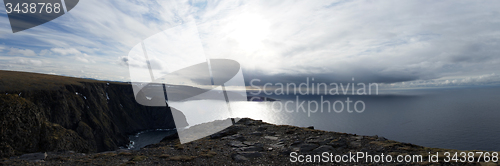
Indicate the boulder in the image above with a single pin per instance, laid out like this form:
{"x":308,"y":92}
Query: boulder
{"x":271,"y":137}
{"x":253,"y":148}
{"x":237,"y":144}
{"x":307,"y":147}
{"x":33,"y":156}
{"x":239,"y":158}
{"x":324,"y":148}
{"x":256,"y":133}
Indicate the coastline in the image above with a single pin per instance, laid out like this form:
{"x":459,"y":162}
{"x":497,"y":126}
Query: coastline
{"x":253,"y":142}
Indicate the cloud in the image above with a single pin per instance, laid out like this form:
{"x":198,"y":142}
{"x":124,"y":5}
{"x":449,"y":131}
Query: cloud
{"x":123,"y":60}
{"x":66,"y":51}
{"x":82,"y":59}
{"x":486,"y":79}
{"x":45,"y":52}
{"x":334,"y":41}
{"x":85,"y":58}
{"x":27,"y":62}
{"x":371,"y":41}
{"x":21,"y":52}
{"x":72,"y":52}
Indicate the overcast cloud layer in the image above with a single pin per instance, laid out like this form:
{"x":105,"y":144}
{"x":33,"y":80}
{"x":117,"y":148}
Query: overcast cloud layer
{"x":399,"y":43}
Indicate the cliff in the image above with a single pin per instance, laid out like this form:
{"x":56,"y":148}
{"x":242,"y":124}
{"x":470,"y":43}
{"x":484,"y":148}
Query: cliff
{"x":41,"y":113}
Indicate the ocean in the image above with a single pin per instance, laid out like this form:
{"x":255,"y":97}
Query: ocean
{"x":454,"y":118}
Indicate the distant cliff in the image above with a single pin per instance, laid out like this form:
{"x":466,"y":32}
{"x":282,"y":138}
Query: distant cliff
{"x":41,"y":112}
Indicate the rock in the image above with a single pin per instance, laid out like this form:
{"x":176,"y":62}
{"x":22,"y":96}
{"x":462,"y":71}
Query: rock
{"x":231,"y":130}
{"x":258,"y":144}
{"x":326,"y":141}
{"x":261,"y":128}
{"x":296,"y":143}
{"x":314,"y":140}
{"x":286,"y":152}
{"x":52,"y":114}
{"x":253,"y":148}
{"x":239,"y":158}
{"x":310,"y":127}
{"x":277,"y":145}
{"x":367,"y":150}
{"x":171,"y":137}
{"x":250,"y":122}
{"x":250,"y":154}
{"x":271,"y":133}
{"x":33,"y":156}
{"x":271,"y":137}
{"x":357,"y":137}
{"x":324,"y":148}
{"x":122,"y":150}
{"x":341,"y":142}
{"x":355,"y":144}
{"x":307,"y":147}
{"x":380,"y":149}
{"x":238,"y":137}
{"x":248,"y":143}
{"x":256,"y":133}
{"x":237,"y":144}
{"x":381,"y":139}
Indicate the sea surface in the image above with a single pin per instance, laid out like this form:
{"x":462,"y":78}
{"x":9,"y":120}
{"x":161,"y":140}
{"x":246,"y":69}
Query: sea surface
{"x":455,"y":118}
{"x":148,"y":137}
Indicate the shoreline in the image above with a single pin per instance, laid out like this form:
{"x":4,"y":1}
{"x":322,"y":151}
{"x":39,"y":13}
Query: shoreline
{"x":253,"y":142}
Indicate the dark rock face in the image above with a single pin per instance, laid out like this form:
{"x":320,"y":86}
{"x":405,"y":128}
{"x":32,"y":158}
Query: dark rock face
{"x":91,"y":116}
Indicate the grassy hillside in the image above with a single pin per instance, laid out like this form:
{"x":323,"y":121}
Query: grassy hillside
{"x":42,"y":112}
{"x":15,"y":81}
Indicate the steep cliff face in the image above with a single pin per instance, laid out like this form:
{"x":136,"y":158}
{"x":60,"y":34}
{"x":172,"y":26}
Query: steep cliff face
{"x":53,"y":113}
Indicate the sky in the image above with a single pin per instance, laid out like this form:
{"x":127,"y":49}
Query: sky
{"x":400,"y":44}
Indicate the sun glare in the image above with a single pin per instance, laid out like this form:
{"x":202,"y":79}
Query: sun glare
{"x":249,"y":31}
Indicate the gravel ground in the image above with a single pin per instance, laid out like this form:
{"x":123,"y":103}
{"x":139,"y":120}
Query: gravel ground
{"x":248,"y":142}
